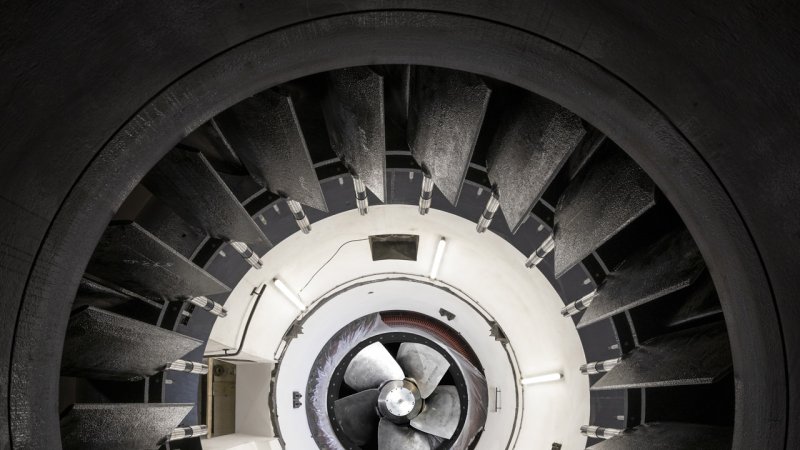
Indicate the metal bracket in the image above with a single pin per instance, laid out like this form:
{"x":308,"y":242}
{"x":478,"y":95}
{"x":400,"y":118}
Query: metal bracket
{"x":497,"y":333}
{"x":447,"y":314}
{"x":294,"y":331}
{"x":296,"y":396}
{"x":497,"y":404}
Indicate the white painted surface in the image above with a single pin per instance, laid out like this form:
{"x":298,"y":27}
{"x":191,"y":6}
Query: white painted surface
{"x":483,"y":266}
{"x":252,"y":399}
{"x":381,"y":295}
{"x":240,"y":442}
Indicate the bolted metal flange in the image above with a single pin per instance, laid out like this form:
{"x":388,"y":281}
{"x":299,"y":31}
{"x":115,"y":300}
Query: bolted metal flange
{"x":399,"y":401}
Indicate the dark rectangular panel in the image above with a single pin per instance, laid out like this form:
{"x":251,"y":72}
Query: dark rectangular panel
{"x":396,"y":91}
{"x":533,"y":141}
{"x":670,"y":436}
{"x":607,"y":195}
{"x":671,"y":263}
{"x":265,"y":133}
{"x":119,"y":426}
{"x":606,"y":407}
{"x":394,"y":246}
{"x":403,"y":187}
{"x":710,"y":404}
{"x":445,"y":116}
{"x":698,"y":355}
{"x":195,"y":443}
{"x":132,"y":258}
{"x":84,"y":390}
{"x":185,"y":181}
{"x":354,"y":115}
{"x":107,"y":346}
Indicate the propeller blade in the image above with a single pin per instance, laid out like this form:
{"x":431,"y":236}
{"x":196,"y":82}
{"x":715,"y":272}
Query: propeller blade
{"x":372,"y":366}
{"x":441,"y":413}
{"x":357,"y":415}
{"x":424,"y":364}
{"x":396,"y":437}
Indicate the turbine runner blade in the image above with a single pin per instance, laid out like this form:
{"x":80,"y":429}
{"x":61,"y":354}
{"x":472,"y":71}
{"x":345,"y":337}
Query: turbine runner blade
{"x":372,"y":366}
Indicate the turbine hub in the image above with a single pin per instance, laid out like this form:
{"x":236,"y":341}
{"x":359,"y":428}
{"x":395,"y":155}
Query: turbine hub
{"x":399,"y":401}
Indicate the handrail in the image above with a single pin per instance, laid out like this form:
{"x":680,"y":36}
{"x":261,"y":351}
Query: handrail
{"x":246,"y":328}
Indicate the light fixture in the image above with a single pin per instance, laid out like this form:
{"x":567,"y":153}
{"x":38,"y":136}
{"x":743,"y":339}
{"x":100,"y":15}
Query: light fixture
{"x":291,"y":296}
{"x":545,"y":378}
{"x":437,"y":258}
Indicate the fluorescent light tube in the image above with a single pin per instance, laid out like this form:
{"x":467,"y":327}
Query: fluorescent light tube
{"x":437,"y":258}
{"x":542,"y":378}
{"x":289,"y":294}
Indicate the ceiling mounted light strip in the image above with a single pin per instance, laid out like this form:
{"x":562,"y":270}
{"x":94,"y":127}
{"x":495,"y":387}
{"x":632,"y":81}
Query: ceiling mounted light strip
{"x":437,"y":258}
{"x":291,"y":296}
{"x":545,"y":378}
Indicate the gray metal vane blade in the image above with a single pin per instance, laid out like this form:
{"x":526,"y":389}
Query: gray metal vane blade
{"x":445,"y":115}
{"x":533,"y":141}
{"x":693,"y":356}
{"x":265,"y":132}
{"x":185,"y":180}
{"x":609,"y":193}
{"x":372,"y":366}
{"x":670,"y":264}
{"x":396,"y":437}
{"x":357,"y":415}
{"x":354,"y":114}
{"x":119,"y":426}
{"x":670,"y":435}
{"x":106,"y":346}
{"x":441,"y":413}
{"x":133,"y":258}
{"x":424,"y":364}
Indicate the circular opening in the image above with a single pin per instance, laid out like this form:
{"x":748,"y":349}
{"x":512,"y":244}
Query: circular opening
{"x":518,"y":155}
{"x":682,"y":194}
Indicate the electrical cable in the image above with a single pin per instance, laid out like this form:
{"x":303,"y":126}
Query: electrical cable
{"x":329,"y":260}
